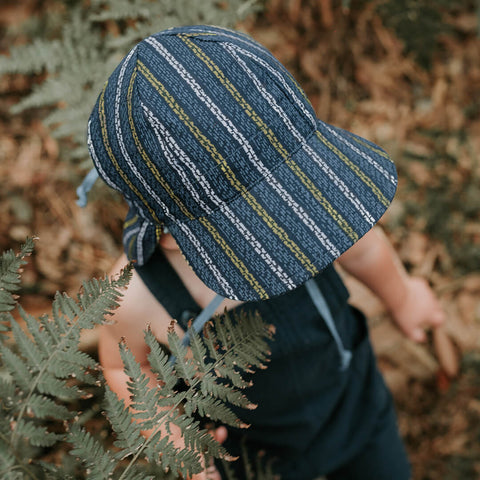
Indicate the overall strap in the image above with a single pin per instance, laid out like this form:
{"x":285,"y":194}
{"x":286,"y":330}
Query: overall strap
{"x":200,"y":321}
{"x":203,"y":317}
{"x":320,"y":303}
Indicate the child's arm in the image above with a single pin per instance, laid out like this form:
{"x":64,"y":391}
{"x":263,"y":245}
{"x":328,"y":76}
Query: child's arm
{"x":138,"y":309}
{"x":411,"y":302}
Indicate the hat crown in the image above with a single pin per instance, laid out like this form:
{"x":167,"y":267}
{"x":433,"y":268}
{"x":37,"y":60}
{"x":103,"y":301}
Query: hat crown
{"x":200,"y":108}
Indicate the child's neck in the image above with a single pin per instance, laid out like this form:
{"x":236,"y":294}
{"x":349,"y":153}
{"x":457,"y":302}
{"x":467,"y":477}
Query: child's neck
{"x":197,"y":289}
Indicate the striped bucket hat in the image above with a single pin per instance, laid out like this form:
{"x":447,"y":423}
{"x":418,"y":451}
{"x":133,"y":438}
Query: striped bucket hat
{"x":205,"y":133}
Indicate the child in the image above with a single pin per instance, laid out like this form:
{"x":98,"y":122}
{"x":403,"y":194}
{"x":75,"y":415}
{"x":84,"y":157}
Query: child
{"x":237,"y":190}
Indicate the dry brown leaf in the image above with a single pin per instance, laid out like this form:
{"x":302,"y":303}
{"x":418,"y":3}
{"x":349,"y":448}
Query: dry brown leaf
{"x":445,"y":352}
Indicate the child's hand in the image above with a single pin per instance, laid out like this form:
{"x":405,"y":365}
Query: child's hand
{"x":417,"y":309}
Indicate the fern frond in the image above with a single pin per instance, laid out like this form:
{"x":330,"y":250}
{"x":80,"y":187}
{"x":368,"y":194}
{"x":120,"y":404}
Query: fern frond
{"x":100,"y":463}
{"x":213,"y":409}
{"x":43,"y":407}
{"x":27,"y":347}
{"x":41,"y":338}
{"x":184,"y":367}
{"x":17,"y":367}
{"x":199,"y":351}
{"x":198,"y":440}
{"x":123,"y":9}
{"x":7,"y":394}
{"x":38,"y":436}
{"x":211,"y":386}
{"x":34,"y":58}
{"x":160,"y":364}
{"x":103,"y":299}
{"x":7,"y":458}
{"x":160,"y":449}
{"x":128,"y":432}
{"x":48,"y":384}
{"x":10,"y":265}
{"x":75,"y":364}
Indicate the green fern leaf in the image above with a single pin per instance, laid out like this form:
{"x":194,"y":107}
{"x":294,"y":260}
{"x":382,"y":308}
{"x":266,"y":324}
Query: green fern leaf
{"x":36,"y":57}
{"x":213,"y":409}
{"x":160,"y":364}
{"x":196,"y":439}
{"x":40,"y":337}
{"x":10,"y":265}
{"x":17,"y":367}
{"x":100,"y":463}
{"x":211,"y":386}
{"x":5,"y":318}
{"x":27,"y":347}
{"x":38,"y":436}
{"x":160,"y":445}
{"x":7,"y":457}
{"x":8,"y":398}
{"x":73,"y":363}
{"x":185,"y":368}
{"x":43,"y":407}
{"x":128,"y":433}
{"x":199,"y":350}
{"x":50,"y":385}
{"x":182,"y":462}
{"x":145,"y":400}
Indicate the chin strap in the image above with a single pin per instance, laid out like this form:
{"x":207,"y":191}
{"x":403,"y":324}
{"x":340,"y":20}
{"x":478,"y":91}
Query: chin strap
{"x":85,"y":187}
{"x":322,"y":307}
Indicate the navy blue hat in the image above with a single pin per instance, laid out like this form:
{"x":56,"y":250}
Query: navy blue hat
{"x":205,"y":133}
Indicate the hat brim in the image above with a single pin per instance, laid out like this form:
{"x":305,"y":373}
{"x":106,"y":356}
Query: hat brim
{"x":295,"y":222}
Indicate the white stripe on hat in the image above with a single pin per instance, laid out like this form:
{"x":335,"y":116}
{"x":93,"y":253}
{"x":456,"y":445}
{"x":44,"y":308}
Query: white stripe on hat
{"x":118,"y":131}
{"x":281,"y":79}
{"x":370,"y":160}
{"x":340,"y":184}
{"x":140,"y":236}
{"x":97,"y":163}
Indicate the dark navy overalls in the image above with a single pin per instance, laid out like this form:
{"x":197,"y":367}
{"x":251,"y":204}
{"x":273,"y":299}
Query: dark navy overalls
{"x":313,"y":417}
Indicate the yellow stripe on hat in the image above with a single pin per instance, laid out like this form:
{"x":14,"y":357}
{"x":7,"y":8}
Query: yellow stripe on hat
{"x":360,"y":174}
{"x":146,"y":158}
{"x":130,"y":246}
{"x":106,"y":143}
{"x":235,"y":260}
{"x":378,"y":151}
{"x":341,"y":222}
{"x":158,"y":232}
{"x":322,"y":200}
{"x":209,"y":147}
{"x":130,"y":222}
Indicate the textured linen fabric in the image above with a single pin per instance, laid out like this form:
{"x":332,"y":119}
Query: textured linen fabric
{"x":312,"y":418}
{"x":206,"y":133}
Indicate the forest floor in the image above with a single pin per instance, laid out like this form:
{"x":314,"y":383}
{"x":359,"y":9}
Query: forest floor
{"x":358,"y":76}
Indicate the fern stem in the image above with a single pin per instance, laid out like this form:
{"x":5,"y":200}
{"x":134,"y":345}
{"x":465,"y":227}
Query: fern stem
{"x":20,"y":467}
{"x":19,"y":462}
